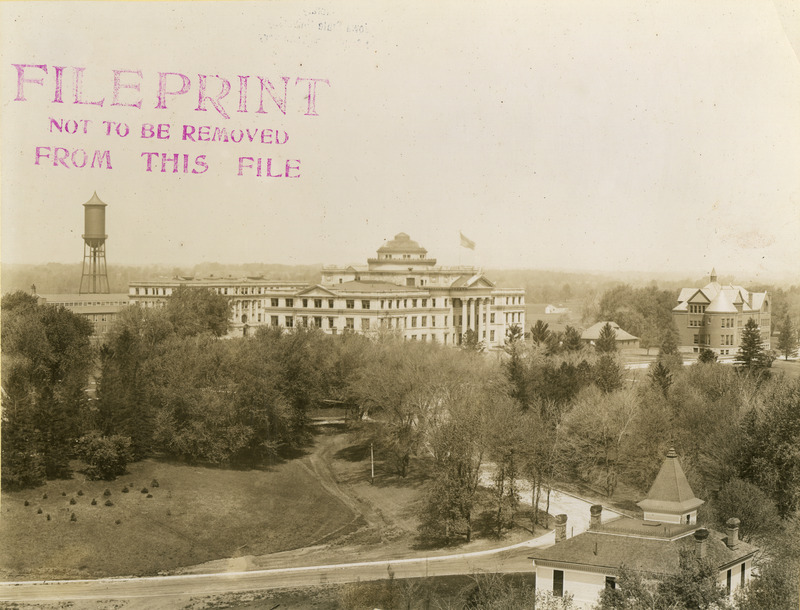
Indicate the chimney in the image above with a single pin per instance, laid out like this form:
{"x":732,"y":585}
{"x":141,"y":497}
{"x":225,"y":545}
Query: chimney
{"x":594,"y":519}
{"x":561,"y":528}
{"x":700,"y":537}
{"x":732,"y":530}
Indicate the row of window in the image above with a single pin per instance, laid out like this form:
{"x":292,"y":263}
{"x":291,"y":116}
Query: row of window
{"x":725,"y":322}
{"x":233,"y":290}
{"x":317,"y":303}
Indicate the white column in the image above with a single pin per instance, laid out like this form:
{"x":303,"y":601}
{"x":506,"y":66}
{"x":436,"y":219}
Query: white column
{"x":489,"y":319}
{"x":483,"y":322}
{"x":464,"y":319}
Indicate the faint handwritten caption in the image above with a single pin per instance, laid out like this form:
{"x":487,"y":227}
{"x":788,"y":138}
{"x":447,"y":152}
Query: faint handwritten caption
{"x":171,"y":86}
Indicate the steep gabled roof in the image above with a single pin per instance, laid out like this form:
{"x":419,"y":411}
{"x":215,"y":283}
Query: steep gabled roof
{"x":670,"y":492}
{"x":702,"y":296}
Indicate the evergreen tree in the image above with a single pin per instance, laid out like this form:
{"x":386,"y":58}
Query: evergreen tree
{"x":788,"y":341}
{"x":707,"y":356}
{"x":661,"y":377}
{"x":751,"y":355}
{"x":669,"y":341}
{"x":607,"y":373}
{"x":572,"y":339}
{"x":471,"y":342}
{"x":513,"y":334}
{"x":540,"y":333}
{"x":607,"y":341}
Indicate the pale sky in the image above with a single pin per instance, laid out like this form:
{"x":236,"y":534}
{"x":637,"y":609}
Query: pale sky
{"x":580,"y":135}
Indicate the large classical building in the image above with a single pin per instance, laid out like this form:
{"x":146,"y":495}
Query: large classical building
{"x":402,"y":290}
{"x":653,"y":546}
{"x":713,"y":316}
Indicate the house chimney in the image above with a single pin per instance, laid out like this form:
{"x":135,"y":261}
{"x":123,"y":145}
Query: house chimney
{"x":732,"y":530}
{"x":561,"y":528}
{"x":594,"y":519}
{"x":700,"y":537}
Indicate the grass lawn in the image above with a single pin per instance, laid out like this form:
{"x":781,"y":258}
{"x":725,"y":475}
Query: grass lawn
{"x":315,"y":509}
{"x":790,"y":368}
{"x":195,"y":515}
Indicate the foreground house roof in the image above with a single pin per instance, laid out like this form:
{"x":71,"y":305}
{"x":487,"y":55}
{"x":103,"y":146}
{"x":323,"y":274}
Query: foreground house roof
{"x":609,"y":548}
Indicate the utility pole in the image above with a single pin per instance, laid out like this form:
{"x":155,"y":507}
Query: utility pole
{"x":372,"y":464}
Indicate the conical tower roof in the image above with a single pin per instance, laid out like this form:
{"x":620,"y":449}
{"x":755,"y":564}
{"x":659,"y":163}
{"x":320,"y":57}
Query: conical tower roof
{"x":95,"y":200}
{"x":670,"y":492}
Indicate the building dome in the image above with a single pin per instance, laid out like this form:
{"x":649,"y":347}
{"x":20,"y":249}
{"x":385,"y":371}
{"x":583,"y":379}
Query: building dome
{"x":401,"y":243}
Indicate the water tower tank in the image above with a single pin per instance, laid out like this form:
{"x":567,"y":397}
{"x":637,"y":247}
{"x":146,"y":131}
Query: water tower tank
{"x":95,"y":222}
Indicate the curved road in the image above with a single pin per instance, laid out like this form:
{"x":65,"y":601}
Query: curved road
{"x":148,"y":589}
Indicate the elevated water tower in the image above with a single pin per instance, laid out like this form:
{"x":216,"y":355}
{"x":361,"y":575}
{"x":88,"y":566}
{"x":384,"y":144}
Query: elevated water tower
{"x":94,"y":279}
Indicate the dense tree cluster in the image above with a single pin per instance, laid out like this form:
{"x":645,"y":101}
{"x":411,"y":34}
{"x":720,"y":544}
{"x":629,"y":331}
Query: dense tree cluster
{"x":551,"y":410}
{"x":46,"y":361}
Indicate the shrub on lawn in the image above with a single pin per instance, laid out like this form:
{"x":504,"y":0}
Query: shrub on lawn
{"x":107,"y":492}
{"x":118,"y":521}
{"x":73,"y":517}
{"x":94,"y":502}
{"x":44,"y":497}
{"x":21,"y":468}
{"x":144,"y":490}
{"x":109,"y":503}
{"x":80,"y":492}
{"x":149,"y":495}
{"x":63,"y":493}
{"x":153,"y":483}
{"x":27,"y":503}
{"x":48,"y":516}
{"x":125,"y":489}
{"x":39,"y":512}
{"x":72,"y":500}
{"x":106,"y":456}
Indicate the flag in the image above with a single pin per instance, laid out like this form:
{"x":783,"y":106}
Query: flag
{"x":466,"y":241}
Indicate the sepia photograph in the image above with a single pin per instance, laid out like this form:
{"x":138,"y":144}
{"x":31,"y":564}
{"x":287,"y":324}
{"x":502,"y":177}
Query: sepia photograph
{"x":380,"y":305}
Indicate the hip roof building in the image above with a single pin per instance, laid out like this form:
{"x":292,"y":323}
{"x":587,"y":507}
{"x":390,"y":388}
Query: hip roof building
{"x":713,"y":316}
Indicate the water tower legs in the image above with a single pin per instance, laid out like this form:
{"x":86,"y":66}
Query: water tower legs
{"x":94,"y":278}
